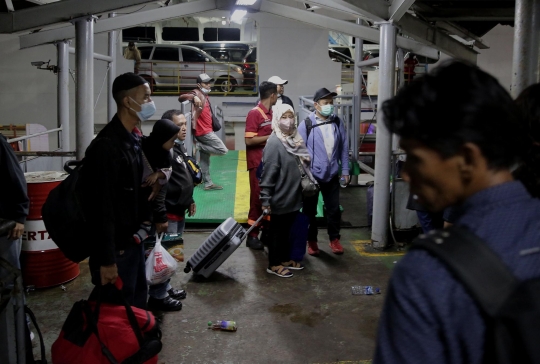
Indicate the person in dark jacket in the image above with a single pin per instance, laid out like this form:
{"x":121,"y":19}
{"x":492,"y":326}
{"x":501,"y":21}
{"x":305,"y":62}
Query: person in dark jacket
{"x":179,"y":198}
{"x":14,"y":204}
{"x":285,"y":154}
{"x":110,"y":185}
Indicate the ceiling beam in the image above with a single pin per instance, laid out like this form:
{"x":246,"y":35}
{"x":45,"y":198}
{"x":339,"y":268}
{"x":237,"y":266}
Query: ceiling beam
{"x":345,"y":27}
{"x":120,"y":22}
{"x":9,"y":5}
{"x":476,"y":14}
{"x":455,"y":29}
{"x":398,"y":8}
{"x":428,"y":34}
{"x":59,"y":12}
{"x":375,"y":10}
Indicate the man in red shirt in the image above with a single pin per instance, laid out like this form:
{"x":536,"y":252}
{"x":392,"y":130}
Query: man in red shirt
{"x":258,"y":129}
{"x":208,"y":142}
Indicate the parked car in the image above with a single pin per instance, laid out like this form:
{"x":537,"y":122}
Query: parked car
{"x":249,"y":69}
{"x":223,"y":51}
{"x":168,"y":66}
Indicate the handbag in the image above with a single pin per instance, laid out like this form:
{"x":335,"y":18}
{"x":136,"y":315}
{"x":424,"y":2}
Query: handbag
{"x":309,"y":187}
{"x":101,"y":333}
{"x":216,"y":125}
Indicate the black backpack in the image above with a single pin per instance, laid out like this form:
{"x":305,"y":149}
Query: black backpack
{"x":309,"y":124}
{"x":511,"y":308}
{"x":64,"y":218}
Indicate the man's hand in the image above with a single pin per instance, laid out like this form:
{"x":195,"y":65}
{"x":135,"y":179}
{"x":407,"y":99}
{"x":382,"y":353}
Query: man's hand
{"x":347,"y":178}
{"x":16,"y":232}
{"x":108,"y":273}
{"x":161,"y":227}
{"x":268,"y":209}
{"x":197,"y":102}
{"x":156,"y":187}
{"x":192,"y":209}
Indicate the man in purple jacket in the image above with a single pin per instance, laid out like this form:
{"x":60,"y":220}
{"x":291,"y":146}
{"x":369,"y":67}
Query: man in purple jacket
{"x":328,"y":146}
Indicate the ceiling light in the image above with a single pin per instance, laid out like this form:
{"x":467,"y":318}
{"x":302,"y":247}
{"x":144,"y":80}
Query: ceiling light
{"x":223,"y":22}
{"x":238,"y":14}
{"x":245,"y":2}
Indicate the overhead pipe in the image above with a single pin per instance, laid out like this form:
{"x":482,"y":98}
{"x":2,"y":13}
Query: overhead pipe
{"x":111,"y":75}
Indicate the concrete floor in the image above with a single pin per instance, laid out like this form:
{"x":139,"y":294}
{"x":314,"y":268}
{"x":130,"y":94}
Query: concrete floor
{"x":309,"y":318}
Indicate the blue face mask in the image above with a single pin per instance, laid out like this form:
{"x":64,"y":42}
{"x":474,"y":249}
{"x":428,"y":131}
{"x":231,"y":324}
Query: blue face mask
{"x":147,"y":110}
{"x":327,"y":110}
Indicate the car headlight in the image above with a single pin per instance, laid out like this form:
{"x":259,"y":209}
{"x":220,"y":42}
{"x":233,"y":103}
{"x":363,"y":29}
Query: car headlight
{"x":237,"y":69}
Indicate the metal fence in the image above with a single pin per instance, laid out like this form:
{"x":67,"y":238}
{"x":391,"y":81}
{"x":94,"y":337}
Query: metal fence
{"x":173,"y":78}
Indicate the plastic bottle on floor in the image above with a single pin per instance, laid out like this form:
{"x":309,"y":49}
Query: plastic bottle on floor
{"x":223,"y":325}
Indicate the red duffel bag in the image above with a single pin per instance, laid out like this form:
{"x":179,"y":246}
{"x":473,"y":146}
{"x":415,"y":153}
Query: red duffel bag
{"x":103,"y":333}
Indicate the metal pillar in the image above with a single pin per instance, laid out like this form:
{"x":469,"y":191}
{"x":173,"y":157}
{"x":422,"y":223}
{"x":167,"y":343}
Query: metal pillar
{"x":111,"y":104}
{"x":526,"y":45}
{"x":400,"y":60}
{"x":84,"y":91}
{"x":383,"y":149}
{"x":62,"y":103}
{"x":357,"y":101}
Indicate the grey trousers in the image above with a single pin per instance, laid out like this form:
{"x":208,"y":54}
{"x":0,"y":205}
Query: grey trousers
{"x":209,"y":144}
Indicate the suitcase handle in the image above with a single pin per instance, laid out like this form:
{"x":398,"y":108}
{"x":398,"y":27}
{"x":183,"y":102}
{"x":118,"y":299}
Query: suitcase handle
{"x":265,"y":212}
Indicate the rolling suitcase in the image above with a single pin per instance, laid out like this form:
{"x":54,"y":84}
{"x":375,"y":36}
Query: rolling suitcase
{"x":218,"y":247}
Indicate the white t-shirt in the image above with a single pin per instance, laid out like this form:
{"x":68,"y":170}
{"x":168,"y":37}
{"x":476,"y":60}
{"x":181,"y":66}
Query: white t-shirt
{"x":328,"y":136}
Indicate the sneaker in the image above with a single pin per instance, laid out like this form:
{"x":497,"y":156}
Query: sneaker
{"x":313,"y":248}
{"x":213,"y":187}
{"x":165,"y":304}
{"x":177,"y":294}
{"x":336,"y":247}
{"x":254,"y":243}
{"x":279,"y":271}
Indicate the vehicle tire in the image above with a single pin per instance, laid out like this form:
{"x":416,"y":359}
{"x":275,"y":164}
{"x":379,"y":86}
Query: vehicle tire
{"x":151,"y":82}
{"x":223,"y":84}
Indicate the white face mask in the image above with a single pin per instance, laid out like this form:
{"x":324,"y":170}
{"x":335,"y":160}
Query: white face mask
{"x":205,"y":90}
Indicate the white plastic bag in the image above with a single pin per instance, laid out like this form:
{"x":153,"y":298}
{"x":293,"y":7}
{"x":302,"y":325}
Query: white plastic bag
{"x":160,"y":265}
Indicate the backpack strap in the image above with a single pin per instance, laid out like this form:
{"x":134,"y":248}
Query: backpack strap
{"x":482,"y":272}
{"x":309,"y":123}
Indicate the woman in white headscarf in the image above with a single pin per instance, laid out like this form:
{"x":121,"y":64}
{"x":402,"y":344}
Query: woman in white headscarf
{"x":284,"y":156}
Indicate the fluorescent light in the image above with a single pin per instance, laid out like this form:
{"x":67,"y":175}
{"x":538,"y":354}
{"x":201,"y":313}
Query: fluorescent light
{"x":238,"y":14}
{"x":245,"y":2}
{"x":223,"y":22}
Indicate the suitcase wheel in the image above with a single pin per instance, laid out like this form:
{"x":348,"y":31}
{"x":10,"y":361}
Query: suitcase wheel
{"x":187,"y":269}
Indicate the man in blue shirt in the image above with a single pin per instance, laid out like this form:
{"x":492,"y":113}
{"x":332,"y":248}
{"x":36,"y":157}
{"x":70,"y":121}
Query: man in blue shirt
{"x":454,"y":125}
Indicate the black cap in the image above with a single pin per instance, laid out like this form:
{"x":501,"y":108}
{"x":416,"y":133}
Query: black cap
{"x":204,"y":78}
{"x":323,"y":93}
{"x":127,"y":81}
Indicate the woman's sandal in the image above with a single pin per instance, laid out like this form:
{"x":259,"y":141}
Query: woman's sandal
{"x":292,"y":265}
{"x":279,"y":271}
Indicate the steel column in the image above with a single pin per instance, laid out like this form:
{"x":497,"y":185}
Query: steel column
{"x":357,"y":101}
{"x":526,"y":44}
{"x":84,"y":91}
{"x":400,"y":59}
{"x":111,"y":104}
{"x":383,"y":149}
{"x":62,"y":103}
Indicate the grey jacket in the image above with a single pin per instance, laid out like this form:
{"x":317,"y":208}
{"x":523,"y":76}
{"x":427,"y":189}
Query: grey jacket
{"x":280,"y":181}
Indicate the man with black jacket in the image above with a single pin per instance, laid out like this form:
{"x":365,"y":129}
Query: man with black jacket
{"x":111,"y":198}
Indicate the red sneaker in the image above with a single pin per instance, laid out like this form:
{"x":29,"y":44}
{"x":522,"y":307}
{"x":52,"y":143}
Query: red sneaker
{"x":336,"y":247}
{"x":313,"y":248}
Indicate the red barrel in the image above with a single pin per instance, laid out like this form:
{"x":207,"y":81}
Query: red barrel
{"x":42,"y":263}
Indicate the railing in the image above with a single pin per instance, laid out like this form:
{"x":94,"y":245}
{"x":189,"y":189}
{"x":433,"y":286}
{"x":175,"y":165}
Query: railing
{"x":185,"y":108}
{"x":173,"y":78}
{"x":28,"y":156}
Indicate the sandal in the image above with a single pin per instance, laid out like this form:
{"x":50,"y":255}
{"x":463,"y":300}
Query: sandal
{"x":292,"y":265}
{"x":279,"y":271}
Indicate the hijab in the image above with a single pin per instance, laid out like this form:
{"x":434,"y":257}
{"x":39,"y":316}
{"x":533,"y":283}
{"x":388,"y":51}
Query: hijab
{"x":163,"y":131}
{"x":292,"y":141}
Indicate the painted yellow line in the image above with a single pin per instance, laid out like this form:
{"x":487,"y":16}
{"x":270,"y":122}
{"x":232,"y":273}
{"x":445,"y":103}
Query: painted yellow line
{"x":360,"y":246}
{"x":241,"y":200}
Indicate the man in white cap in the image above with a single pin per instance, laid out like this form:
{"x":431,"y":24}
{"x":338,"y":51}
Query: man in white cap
{"x":282,"y":99}
{"x":201,"y":122}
